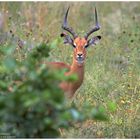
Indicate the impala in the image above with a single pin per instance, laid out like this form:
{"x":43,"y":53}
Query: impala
{"x":79,"y":44}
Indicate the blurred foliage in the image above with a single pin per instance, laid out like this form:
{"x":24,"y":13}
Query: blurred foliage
{"x":31,"y":103}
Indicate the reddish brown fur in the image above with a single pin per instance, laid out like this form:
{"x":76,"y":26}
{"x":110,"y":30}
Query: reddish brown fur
{"x":59,"y":65}
{"x":75,"y":68}
{"x":80,"y":43}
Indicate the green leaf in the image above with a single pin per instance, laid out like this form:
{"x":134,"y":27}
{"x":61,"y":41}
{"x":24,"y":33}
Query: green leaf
{"x":112,"y":106}
{"x":9,"y":50}
{"x":99,"y":113}
{"x":33,"y":101}
{"x":53,"y":45}
{"x":2,"y":69}
{"x":72,"y":78}
{"x":66,"y":115}
{"x":10,"y":63}
{"x":3,"y":85}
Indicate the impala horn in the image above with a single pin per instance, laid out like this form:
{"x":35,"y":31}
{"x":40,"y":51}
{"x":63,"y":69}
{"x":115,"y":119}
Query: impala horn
{"x":96,"y":28}
{"x":65,"y":25}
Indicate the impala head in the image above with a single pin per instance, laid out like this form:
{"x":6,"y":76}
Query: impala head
{"x":80,"y":43}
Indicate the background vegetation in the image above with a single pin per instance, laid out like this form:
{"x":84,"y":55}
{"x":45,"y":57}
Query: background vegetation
{"x":112,"y":75}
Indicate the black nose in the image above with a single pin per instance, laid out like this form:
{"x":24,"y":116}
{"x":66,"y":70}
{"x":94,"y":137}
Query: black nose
{"x":80,"y":54}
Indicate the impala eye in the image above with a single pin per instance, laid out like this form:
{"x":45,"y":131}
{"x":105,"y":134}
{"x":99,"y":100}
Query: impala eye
{"x":74,"y":46}
{"x":86,"y":45}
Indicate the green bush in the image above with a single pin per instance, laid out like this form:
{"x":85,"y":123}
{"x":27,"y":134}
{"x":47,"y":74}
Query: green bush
{"x":31,"y":103}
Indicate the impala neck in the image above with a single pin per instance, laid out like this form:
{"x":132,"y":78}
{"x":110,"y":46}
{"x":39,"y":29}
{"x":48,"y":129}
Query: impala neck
{"x":77,"y":67}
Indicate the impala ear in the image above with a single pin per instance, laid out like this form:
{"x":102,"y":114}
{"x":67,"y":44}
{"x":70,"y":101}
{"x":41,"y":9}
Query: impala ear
{"x":93,"y":41}
{"x":67,"y":38}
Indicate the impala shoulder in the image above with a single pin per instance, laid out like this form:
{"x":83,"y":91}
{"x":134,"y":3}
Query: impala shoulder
{"x":58,"y":65}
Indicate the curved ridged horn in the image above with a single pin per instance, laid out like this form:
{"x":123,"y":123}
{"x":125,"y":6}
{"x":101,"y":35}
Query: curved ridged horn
{"x":65,"y":25}
{"x":96,"y":28}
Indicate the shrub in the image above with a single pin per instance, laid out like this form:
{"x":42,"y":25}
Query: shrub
{"x":31,"y":103}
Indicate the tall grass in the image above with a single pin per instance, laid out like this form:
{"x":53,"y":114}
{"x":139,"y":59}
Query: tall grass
{"x":112,"y":68}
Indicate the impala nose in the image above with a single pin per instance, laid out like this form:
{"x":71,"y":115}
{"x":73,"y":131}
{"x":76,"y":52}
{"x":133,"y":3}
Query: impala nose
{"x":80,"y":57}
{"x":79,"y":54}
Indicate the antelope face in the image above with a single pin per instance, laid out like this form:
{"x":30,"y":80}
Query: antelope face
{"x":79,"y":49}
{"x":80,"y":44}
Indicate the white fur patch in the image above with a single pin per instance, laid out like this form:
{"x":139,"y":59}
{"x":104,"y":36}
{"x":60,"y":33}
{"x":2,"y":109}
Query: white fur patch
{"x":74,"y":44}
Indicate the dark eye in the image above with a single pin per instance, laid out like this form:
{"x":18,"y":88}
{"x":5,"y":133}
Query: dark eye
{"x":73,"y":45}
{"x":86,"y":46}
